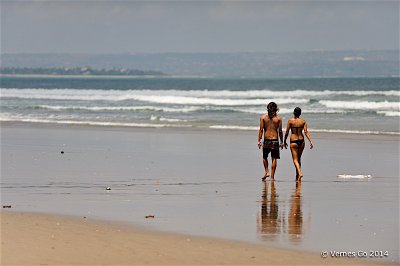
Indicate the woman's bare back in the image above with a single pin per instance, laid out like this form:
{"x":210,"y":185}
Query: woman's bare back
{"x":296,"y":126}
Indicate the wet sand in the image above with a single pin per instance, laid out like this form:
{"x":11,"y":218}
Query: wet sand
{"x":207,"y":183}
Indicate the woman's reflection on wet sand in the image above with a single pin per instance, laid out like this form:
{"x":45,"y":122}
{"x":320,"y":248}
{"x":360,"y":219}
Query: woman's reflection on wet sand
{"x":295,"y":219}
{"x":273,"y":219}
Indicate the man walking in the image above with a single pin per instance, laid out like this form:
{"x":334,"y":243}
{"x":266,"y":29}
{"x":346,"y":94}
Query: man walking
{"x":270,"y":127}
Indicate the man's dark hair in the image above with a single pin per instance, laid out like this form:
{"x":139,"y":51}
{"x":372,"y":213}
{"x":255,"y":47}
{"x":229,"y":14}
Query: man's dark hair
{"x":272,"y":109}
{"x":297,"y":112}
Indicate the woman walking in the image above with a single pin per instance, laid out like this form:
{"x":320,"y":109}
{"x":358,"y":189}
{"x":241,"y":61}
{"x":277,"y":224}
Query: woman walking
{"x":297,"y":125}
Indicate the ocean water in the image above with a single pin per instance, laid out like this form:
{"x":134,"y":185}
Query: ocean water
{"x":348,"y":105}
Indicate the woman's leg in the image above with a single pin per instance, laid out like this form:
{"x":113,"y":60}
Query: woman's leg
{"x":294,"y":148}
{"x":299,"y":153}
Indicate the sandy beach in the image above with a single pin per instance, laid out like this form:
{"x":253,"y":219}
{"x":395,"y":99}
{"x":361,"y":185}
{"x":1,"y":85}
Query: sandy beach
{"x":36,"y":239}
{"x":204,"y":190}
{"x":132,"y":132}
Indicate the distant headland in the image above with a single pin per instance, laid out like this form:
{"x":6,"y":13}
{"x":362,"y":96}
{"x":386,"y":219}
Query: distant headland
{"x":300,"y":64}
{"x":77,"y":71}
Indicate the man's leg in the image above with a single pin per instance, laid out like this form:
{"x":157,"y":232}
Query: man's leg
{"x":265,"y":163}
{"x":273,"y":168}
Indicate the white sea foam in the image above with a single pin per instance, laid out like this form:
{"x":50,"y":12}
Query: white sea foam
{"x":186,"y":109}
{"x":215,"y":106}
{"x":152,"y":96}
{"x":233,"y":127}
{"x":260,"y":111}
{"x":345,"y":131}
{"x":362,"y":105}
{"x":209,"y":101}
{"x":345,"y":176}
{"x":389,"y":113}
{"x":342,"y":131}
{"x":160,"y":118}
{"x":118,"y":95}
{"x":90,"y":123}
{"x":120,"y":108}
{"x":172,"y":119}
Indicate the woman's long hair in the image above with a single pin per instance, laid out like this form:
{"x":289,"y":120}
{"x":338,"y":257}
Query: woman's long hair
{"x":272,"y":109}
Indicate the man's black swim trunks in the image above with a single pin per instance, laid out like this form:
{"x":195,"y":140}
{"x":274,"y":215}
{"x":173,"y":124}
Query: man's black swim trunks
{"x":271,"y":145}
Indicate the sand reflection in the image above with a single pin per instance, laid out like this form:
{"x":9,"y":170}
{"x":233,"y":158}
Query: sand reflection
{"x":270,"y":223}
{"x":295,"y":219}
{"x":273,"y":223}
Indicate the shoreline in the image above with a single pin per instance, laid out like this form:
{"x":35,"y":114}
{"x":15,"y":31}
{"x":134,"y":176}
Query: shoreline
{"x":54,"y":239}
{"x":118,"y":127}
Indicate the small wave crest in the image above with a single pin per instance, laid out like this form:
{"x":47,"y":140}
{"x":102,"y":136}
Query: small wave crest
{"x":160,"y":118}
{"x":89,"y":123}
{"x":363,"y":132}
{"x":187,"y":109}
{"x":119,"y":108}
{"x":260,"y":111}
{"x":184,"y":100}
{"x":343,"y":131}
{"x":112,"y":94}
{"x":232,"y":127}
{"x":220,"y":98}
{"x":361,"y":105}
{"x":389,"y":113}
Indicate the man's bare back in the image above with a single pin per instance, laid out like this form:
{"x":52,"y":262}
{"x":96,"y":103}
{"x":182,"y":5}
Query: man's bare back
{"x":271,"y":126}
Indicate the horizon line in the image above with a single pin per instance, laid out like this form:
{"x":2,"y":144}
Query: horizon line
{"x":238,"y":52}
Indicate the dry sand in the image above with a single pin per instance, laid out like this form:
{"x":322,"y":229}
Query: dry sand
{"x":37,"y":239}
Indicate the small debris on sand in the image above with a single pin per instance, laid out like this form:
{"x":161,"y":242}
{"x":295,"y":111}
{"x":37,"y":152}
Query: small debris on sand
{"x":149,"y":216}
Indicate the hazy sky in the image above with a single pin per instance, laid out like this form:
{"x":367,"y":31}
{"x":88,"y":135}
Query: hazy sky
{"x":183,"y":26}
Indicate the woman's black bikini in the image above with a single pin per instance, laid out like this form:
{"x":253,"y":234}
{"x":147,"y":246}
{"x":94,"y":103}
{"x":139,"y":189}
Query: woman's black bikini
{"x":298,"y":141}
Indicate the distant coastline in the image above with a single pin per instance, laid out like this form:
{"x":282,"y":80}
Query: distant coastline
{"x":351,"y":63}
{"x":184,"y":77}
{"x":79,"y":76}
{"x":76,"y":72}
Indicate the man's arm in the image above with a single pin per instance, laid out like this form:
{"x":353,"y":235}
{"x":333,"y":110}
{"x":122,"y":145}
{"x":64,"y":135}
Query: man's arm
{"x":280,"y":131}
{"x":260,"y":132}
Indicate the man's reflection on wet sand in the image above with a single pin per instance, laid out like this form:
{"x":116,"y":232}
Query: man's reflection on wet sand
{"x":273,"y":219}
{"x":270,"y":223}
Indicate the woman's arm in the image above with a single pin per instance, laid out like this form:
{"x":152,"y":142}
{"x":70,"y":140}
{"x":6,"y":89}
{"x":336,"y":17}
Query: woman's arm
{"x":308,"y":135}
